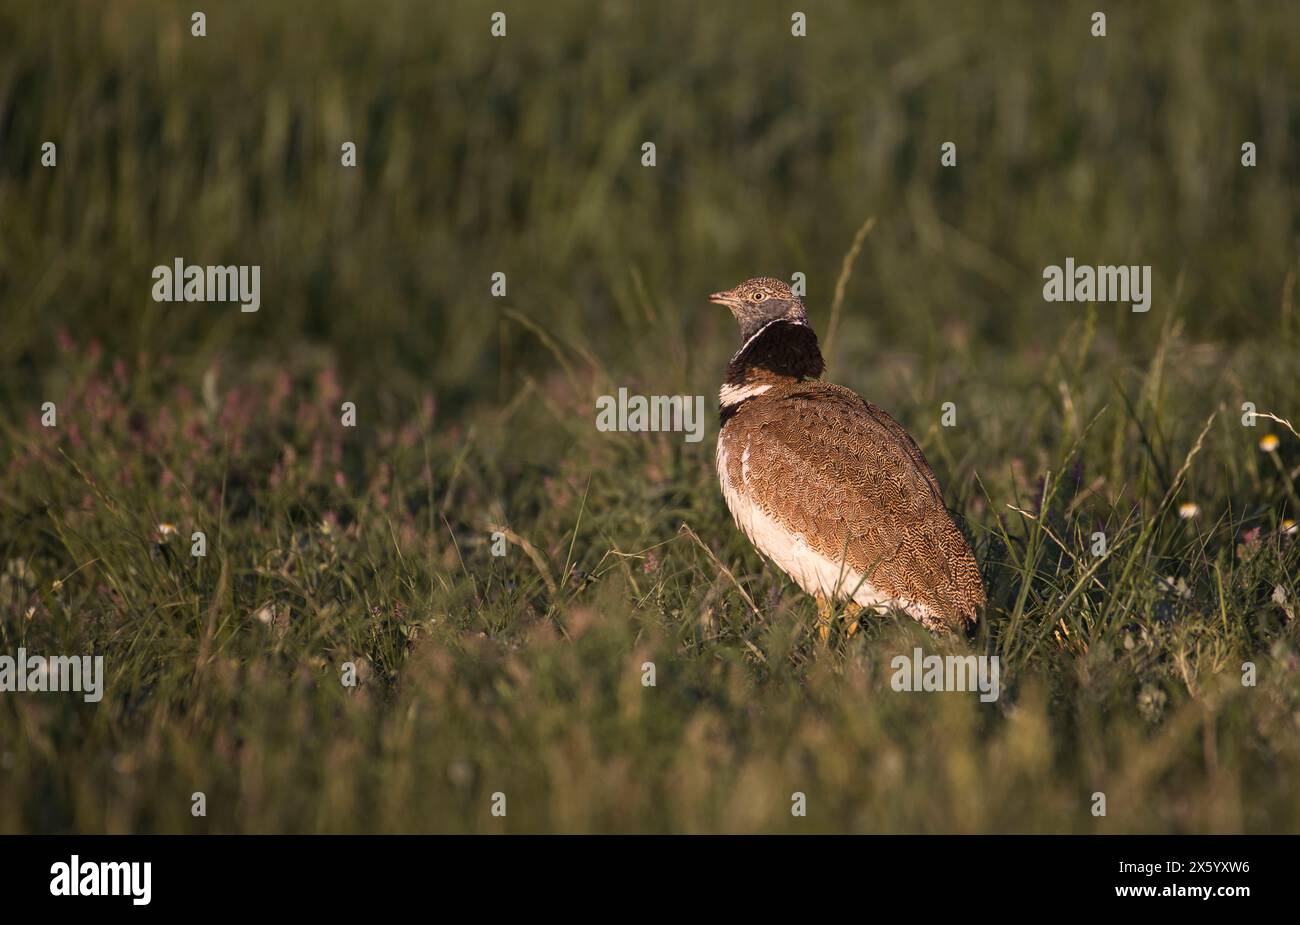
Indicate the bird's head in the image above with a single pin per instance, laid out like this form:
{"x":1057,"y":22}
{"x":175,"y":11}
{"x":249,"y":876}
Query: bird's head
{"x":758,"y":302}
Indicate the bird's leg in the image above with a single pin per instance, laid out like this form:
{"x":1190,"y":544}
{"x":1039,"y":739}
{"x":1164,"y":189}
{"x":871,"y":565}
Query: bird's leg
{"x":851,"y":612}
{"x":824,"y":608}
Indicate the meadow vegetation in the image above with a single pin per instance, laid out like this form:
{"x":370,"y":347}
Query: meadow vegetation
{"x":522,"y":674}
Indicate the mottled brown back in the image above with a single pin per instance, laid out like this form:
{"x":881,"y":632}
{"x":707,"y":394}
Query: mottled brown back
{"x":843,"y":474}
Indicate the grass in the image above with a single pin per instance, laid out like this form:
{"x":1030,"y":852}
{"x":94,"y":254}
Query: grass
{"x":522,"y":674}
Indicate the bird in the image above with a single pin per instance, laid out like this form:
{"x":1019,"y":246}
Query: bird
{"x":829,"y":487}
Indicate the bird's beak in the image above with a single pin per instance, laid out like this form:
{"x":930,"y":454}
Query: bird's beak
{"x":722,"y":298}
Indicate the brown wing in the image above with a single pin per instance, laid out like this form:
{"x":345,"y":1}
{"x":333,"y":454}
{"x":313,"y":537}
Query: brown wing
{"x":847,"y":477}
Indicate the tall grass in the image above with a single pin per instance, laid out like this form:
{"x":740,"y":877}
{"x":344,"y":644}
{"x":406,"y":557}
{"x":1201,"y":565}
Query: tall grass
{"x":522,"y":674}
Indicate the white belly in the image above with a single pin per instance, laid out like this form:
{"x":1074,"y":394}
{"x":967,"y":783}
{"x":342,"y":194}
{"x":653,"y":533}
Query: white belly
{"x":808,"y":568}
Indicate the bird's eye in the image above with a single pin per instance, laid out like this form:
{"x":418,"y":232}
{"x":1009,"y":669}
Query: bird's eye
{"x":758,"y":296}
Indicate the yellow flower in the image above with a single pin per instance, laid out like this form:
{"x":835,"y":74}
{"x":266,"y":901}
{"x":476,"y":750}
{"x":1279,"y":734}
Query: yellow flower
{"x":1289,"y":527}
{"x":1188,"y":509}
{"x":1269,"y":443}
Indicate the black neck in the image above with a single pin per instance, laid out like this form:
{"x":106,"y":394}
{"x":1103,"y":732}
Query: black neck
{"x":784,"y":351}
{"x":781,"y":350}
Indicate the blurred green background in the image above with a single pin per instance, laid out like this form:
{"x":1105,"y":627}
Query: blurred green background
{"x":522,"y":674}
{"x":522,"y":155}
